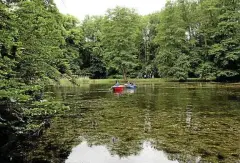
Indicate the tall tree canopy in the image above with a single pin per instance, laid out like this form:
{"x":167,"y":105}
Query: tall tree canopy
{"x":186,"y":39}
{"x":121,"y":30}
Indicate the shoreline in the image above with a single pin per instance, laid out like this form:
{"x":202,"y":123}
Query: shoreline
{"x":81,"y":81}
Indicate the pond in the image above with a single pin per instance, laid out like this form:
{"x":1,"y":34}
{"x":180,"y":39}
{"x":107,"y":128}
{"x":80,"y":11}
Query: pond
{"x":158,"y":122}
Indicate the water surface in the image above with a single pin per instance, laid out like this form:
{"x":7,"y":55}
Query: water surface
{"x":167,"y":122}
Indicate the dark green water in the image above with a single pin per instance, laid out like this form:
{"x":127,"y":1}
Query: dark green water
{"x":168,"y":122}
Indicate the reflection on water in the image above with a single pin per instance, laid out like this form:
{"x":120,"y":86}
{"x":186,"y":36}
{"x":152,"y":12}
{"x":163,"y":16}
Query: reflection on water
{"x":124,"y":91}
{"x":188,"y":115}
{"x":185,"y":123}
{"x":147,"y":123}
{"x":131,"y":91}
{"x":100,"y":154}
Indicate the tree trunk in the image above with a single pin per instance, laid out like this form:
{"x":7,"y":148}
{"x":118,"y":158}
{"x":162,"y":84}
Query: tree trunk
{"x":124,"y":74}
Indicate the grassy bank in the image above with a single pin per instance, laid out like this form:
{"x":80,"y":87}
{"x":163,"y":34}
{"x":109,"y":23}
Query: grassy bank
{"x":81,"y":81}
{"x":137,"y":81}
{"x":85,"y":80}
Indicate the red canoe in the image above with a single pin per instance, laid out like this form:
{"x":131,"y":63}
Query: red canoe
{"x":119,"y":88}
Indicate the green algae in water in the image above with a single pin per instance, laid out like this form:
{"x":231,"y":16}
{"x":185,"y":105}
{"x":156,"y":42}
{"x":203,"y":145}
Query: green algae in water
{"x":187,"y":122}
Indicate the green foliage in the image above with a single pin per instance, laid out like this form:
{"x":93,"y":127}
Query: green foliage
{"x":41,"y":39}
{"x":121,"y":29}
{"x":73,"y":36}
{"x":185,"y":39}
{"x":31,"y":37}
{"x":43,"y":109}
{"x":92,"y":50}
{"x":206,"y":70}
{"x":199,"y":39}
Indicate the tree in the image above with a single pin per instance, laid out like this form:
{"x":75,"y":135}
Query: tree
{"x":225,"y":49}
{"x":40,"y":31}
{"x":147,"y":47}
{"x":217,"y":39}
{"x":173,"y":57}
{"x":73,"y":35}
{"x":9,"y":43}
{"x":92,"y":48}
{"x":120,"y":33}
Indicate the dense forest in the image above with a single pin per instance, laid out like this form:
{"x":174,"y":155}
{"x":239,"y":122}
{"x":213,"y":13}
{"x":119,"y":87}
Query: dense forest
{"x":38,"y":44}
{"x":186,"y":39}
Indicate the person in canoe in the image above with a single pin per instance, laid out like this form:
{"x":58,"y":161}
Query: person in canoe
{"x":117,"y":83}
{"x":127,"y":84}
{"x":130,"y":85}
